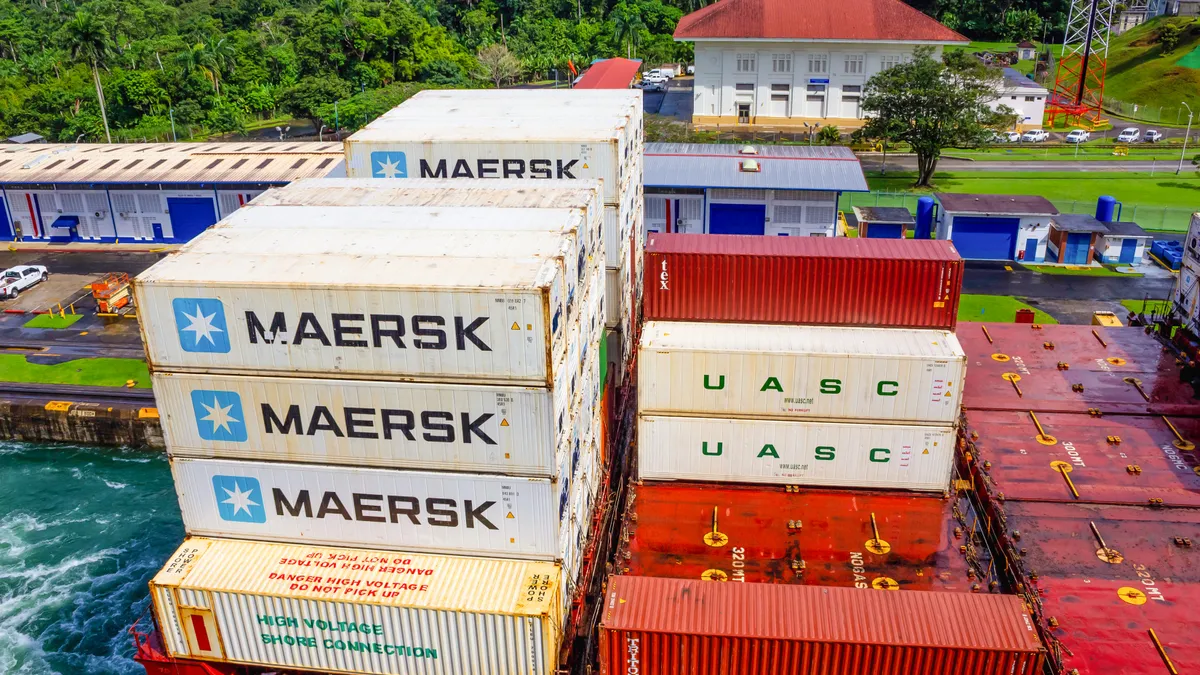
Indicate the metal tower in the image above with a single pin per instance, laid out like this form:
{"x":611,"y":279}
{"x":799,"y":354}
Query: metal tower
{"x":1079,"y":79}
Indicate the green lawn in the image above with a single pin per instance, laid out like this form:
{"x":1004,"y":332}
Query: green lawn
{"x":1025,"y":67}
{"x":1094,"y":152}
{"x":1074,"y":271}
{"x":1151,"y":306}
{"x":52,"y":321}
{"x":996,"y":308}
{"x":100,"y":372}
{"x":1139,"y":72}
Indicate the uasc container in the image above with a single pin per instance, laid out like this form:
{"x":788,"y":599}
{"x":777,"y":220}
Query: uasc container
{"x":357,"y":611}
{"x":805,"y":280}
{"x":455,"y":513}
{"x":665,"y":626}
{"x":887,"y":456}
{"x":800,"y":372}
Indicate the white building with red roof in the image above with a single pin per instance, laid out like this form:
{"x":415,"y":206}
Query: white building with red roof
{"x":784,"y":63}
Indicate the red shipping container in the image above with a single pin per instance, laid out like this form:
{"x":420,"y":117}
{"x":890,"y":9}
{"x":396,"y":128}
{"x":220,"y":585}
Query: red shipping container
{"x":1075,"y":369}
{"x":667,"y":627}
{"x":802,"y":280}
{"x":884,"y":540}
{"x":1113,"y":459}
{"x":1101,"y":577}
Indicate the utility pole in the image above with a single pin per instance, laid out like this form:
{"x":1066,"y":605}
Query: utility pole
{"x":173,"y":139}
{"x":1185,"y":137}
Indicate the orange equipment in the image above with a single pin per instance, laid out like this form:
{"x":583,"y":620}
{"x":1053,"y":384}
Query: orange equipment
{"x":112,"y":292}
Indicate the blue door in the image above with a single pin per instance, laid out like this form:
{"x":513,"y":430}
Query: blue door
{"x":190,"y":216}
{"x":1031,"y":250}
{"x":1128,"y":248}
{"x":737,"y":218}
{"x":158,"y":232}
{"x":979,"y":238}
{"x":1078,"y":244}
{"x":884,"y":231}
{"x":6,"y":231}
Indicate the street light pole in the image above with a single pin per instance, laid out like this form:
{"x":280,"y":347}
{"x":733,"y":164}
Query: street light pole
{"x":1185,"y":137}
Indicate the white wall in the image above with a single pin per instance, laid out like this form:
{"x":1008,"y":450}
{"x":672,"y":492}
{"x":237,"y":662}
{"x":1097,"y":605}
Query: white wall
{"x":717,"y":76}
{"x":796,"y":213}
{"x":1029,"y":112}
{"x":1031,"y":227}
{"x":1112,"y":249}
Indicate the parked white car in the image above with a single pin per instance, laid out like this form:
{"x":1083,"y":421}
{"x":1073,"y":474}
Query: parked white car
{"x":1130,"y":135}
{"x":1006,"y":137}
{"x":1078,"y":136}
{"x":1035,"y":136}
{"x":19,"y":278}
{"x":691,"y":70}
{"x":1152,"y":136}
{"x":654,"y":76}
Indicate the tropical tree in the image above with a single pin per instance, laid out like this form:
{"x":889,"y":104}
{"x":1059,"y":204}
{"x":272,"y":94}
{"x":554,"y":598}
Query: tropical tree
{"x":497,"y":64}
{"x":86,"y":39}
{"x":627,"y":27}
{"x":933,"y":105}
{"x":216,"y":55}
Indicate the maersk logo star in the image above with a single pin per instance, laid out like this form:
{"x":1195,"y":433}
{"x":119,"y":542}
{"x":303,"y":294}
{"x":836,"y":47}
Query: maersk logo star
{"x":239,"y":499}
{"x":389,"y":165}
{"x":200,"y":323}
{"x":219,"y":415}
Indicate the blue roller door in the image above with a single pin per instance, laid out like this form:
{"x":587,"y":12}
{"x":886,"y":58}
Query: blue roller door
{"x":1128,"y":248}
{"x":884,"y":231}
{"x":985,"y":238}
{"x":1078,"y":244}
{"x":190,"y":216}
{"x":737,"y":219}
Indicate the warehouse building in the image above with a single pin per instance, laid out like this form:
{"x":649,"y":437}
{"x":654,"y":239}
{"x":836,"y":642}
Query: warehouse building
{"x":778,"y":190}
{"x":996,"y":227}
{"x":153,"y":192}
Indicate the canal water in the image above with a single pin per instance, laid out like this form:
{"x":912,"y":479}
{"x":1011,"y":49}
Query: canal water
{"x":82,"y":530}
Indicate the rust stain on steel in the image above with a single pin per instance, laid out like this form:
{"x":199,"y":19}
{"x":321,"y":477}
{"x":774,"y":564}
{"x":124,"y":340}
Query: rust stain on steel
{"x":1096,"y":613}
{"x":1132,"y":374}
{"x":654,"y":626}
{"x":1113,"y":459}
{"x":836,"y":281}
{"x":826,"y":537}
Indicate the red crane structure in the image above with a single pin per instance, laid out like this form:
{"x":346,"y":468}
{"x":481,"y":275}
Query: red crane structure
{"x":1079,"y":79}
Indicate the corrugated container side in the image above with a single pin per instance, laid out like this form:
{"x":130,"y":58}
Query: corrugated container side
{"x":456,"y":513}
{"x":856,"y":282}
{"x":355,"y":611}
{"x":665,"y":626}
{"x":888,"y":456}
{"x":800,"y":372}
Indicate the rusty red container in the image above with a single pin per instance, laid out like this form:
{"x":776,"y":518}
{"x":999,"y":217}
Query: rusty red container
{"x":802,"y":280}
{"x":655,"y":626}
{"x":787,"y":536}
{"x":1079,"y":369}
{"x":1100,"y":577}
{"x":1112,"y":459}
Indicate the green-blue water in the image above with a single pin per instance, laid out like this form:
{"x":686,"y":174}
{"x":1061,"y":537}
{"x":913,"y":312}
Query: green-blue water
{"x":82,"y":530}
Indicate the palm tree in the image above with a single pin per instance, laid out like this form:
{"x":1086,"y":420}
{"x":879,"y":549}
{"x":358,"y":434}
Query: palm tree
{"x":627,"y":26}
{"x":216,"y":56}
{"x":86,"y":39}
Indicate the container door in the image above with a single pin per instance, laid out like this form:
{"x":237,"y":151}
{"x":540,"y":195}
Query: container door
{"x":737,"y":219}
{"x":1077,"y":248}
{"x":1128,"y":248}
{"x":190,"y":216}
{"x":1031,"y":249}
{"x":985,"y":238}
{"x":200,"y":629}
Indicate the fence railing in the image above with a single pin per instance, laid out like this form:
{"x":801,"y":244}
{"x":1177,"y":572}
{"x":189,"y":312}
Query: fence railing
{"x":1154,"y":114}
{"x":1158,"y":218}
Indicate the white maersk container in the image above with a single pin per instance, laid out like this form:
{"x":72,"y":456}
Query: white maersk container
{"x":795,"y":453}
{"x":343,"y":312}
{"x":451,"y":513}
{"x":475,"y":429}
{"x":357,"y":611}
{"x":793,"y":372}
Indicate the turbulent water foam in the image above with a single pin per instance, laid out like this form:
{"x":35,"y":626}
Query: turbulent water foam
{"x":81,"y":532}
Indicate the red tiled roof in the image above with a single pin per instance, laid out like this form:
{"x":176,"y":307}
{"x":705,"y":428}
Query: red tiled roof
{"x":609,"y":74}
{"x":814,"y":20}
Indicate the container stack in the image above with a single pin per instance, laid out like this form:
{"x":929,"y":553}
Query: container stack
{"x":1081,"y":443}
{"x":797,"y":408}
{"x":384,"y":426}
{"x":530,"y":136}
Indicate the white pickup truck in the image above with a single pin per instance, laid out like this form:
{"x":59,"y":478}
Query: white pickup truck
{"x":19,"y":278}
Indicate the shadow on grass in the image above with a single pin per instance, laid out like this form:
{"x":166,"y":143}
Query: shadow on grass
{"x":1179,"y":184}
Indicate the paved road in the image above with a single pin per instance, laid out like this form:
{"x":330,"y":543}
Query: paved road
{"x":990,"y":278}
{"x":874,"y":162}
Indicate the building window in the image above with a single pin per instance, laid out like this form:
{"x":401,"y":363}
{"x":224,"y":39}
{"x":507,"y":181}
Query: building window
{"x":854,"y":64}
{"x":889,"y":60}
{"x":816,"y":89}
{"x":745,"y":63}
{"x":781,"y":63}
{"x":779,"y":97}
{"x":818,"y":63}
{"x":1029,"y":98}
{"x":785,"y":88}
{"x":743,"y":86}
